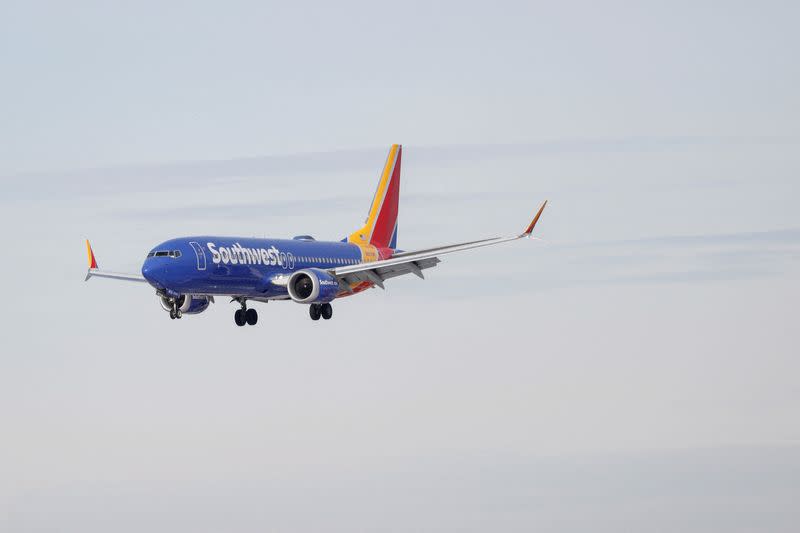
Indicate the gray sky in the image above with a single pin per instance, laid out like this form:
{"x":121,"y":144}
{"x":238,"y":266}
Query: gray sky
{"x":636,"y":371}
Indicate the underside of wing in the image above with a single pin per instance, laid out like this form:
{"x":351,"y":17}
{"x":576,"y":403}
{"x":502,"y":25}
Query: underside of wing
{"x":97,"y":273}
{"x":377,"y":274}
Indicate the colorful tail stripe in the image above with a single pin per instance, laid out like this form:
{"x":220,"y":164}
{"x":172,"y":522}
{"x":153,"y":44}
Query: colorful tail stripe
{"x":380,"y":229}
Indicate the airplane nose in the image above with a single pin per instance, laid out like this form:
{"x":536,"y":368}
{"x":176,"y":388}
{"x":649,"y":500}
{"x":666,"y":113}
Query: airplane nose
{"x":154,"y":273}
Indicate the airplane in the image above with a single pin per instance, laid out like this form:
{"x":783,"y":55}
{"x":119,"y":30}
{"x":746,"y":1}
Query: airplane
{"x":189,"y":272}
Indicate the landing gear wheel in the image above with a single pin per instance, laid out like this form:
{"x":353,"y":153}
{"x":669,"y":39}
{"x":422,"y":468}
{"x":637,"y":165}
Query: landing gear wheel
{"x":239,"y":317}
{"x":314,"y":311}
{"x":251,"y":317}
{"x":172,"y":314}
{"x":178,"y":313}
{"x":326,"y":311}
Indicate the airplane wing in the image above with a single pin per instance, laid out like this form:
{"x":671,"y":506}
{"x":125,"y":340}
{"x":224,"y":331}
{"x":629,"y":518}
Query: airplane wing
{"x":415,"y":262}
{"x":94,"y":270}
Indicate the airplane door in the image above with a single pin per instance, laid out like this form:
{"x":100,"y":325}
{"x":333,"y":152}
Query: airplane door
{"x":201,"y":255}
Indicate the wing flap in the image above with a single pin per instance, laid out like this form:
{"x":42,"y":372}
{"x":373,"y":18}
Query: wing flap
{"x":412,"y":267}
{"x":387,"y":272}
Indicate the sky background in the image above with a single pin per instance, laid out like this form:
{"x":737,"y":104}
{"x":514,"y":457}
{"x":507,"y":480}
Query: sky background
{"x":637,"y":370}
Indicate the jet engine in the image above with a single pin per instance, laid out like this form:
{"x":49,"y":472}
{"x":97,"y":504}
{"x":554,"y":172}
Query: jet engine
{"x":312,"y":285}
{"x":187,"y":304}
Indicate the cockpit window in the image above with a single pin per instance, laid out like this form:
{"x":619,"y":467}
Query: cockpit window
{"x":165,"y":253}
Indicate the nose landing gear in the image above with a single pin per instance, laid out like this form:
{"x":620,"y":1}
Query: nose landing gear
{"x":173,"y":305}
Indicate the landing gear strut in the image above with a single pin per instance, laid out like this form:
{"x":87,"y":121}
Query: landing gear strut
{"x":316,"y":311}
{"x":244,"y":315}
{"x":175,"y":312}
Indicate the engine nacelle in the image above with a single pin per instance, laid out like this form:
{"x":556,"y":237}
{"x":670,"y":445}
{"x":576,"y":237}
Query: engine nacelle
{"x":188,"y":304}
{"x":312,"y":285}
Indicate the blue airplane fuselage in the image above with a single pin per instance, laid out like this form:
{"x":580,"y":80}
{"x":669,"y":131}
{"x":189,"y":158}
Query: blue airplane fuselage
{"x":242,"y":266}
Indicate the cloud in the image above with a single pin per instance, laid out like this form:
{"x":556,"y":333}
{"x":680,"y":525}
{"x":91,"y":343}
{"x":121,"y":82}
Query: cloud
{"x":161,"y":176}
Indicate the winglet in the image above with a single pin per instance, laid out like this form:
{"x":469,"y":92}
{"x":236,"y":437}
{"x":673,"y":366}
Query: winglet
{"x":92,"y":260}
{"x":90,"y":253}
{"x":530,"y":227}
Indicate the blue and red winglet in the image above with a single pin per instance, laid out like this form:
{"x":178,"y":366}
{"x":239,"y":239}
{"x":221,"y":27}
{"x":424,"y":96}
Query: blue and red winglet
{"x":530,"y":227}
{"x":90,"y":253}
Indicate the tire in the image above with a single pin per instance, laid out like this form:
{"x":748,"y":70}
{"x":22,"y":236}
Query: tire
{"x":239,"y":317}
{"x":172,"y":314}
{"x":327,"y":311}
{"x":313,"y":311}
{"x":251,"y":317}
{"x":178,"y":313}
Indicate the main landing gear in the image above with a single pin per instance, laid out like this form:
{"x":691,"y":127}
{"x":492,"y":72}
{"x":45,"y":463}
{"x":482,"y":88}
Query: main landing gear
{"x":320,"y":310}
{"x":245,"y":316}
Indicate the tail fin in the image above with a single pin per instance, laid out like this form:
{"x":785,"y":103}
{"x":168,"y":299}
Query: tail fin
{"x":380,"y":229}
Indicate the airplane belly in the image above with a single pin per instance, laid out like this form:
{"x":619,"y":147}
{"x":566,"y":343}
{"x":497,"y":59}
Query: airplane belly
{"x":236,"y":280}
